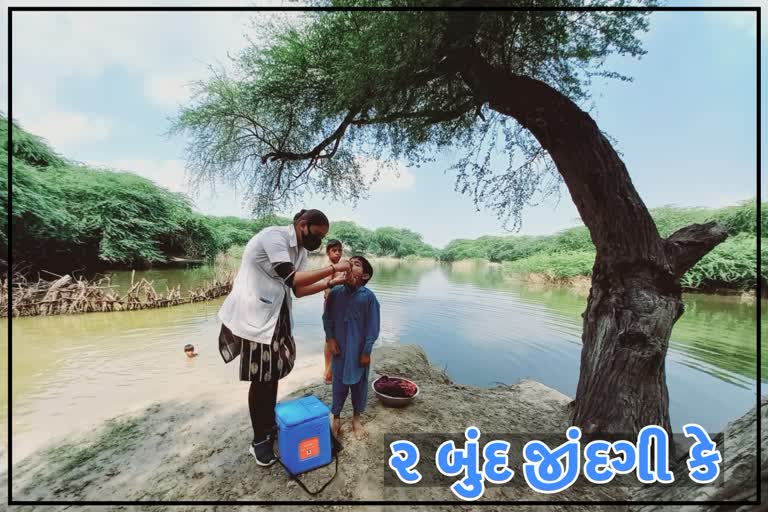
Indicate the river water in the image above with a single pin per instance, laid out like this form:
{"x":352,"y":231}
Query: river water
{"x":73,"y":372}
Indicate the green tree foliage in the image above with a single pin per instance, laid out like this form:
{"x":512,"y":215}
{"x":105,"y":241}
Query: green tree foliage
{"x":468,"y":249}
{"x":731,"y":264}
{"x":571,"y":253}
{"x":558,"y":265}
{"x":68,"y":216}
{"x":234,"y":231}
{"x":743,"y":218}
{"x":356,"y":240}
{"x":378,"y":81}
{"x":386,"y":241}
{"x":400,"y":243}
{"x":28,"y":148}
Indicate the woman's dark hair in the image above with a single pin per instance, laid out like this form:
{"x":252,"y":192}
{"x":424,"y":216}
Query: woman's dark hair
{"x":331,"y":244}
{"x":367,"y":268}
{"x":314,"y":217}
{"x":187,"y":348}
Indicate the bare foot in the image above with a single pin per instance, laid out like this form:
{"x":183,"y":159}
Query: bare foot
{"x":328,"y":376}
{"x":357,"y":428}
{"x":336,"y":428}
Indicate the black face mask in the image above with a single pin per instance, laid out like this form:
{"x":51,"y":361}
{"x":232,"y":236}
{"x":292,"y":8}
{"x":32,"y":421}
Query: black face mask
{"x":310,"y":241}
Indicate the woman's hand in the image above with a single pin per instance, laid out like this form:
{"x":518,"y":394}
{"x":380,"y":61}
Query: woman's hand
{"x":337,"y":280}
{"x":342,"y":266}
{"x":365,"y":359}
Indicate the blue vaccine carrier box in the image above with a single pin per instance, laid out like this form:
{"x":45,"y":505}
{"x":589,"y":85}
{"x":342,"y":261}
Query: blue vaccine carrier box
{"x":304,"y":434}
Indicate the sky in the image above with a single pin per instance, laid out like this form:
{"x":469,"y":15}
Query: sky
{"x":100,"y":87}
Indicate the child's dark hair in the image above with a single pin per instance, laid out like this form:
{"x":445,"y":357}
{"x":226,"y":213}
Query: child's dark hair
{"x":331,"y":244}
{"x":188,"y":347}
{"x":367,"y":268}
{"x":314,"y":217}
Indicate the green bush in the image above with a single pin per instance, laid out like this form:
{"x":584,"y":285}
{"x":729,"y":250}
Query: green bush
{"x":731,"y":264}
{"x":669,"y":219}
{"x":68,"y":216}
{"x":457,"y":250}
{"x":234,"y":231}
{"x":356,"y":240}
{"x":27,"y":148}
{"x":571,"y":253}
{"x":743,"y":218}
{"x":101,"y":216}
{"x":556,"y":265}
{"x":386,"y":241}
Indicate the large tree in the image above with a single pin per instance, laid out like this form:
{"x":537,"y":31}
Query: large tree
{"x":314,"y":97}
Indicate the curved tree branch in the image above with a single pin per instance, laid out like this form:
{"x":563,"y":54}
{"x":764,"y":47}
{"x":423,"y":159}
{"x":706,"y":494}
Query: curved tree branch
{"x":315,"y":153}
{"x":596,"y":177}
{"x":688,"y":245}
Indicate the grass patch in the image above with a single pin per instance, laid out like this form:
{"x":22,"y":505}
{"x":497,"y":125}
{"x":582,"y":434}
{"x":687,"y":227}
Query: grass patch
{"x":117,"y":436}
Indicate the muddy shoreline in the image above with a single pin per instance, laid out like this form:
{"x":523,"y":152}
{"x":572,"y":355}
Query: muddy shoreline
{"x":197,"y":450}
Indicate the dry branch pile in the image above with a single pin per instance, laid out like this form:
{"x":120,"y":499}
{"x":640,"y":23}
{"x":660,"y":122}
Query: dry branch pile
{"x":67,"y":295}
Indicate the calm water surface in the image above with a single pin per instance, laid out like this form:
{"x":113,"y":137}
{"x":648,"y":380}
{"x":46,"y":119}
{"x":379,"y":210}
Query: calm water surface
{"x":70,"y":371}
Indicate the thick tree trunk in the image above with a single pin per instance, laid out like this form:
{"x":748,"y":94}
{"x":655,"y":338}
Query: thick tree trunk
{"x":635,"y":297}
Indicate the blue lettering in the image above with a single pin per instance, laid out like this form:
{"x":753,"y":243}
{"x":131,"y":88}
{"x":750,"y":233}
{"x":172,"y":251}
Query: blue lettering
{"x":597,"y":467}
{"x":496,"y":467}
{"x":544,"y":471}
{"x":405,"y":457}
{"x":704,"y":459}
{"x":629,"y":461}
{"x":653,"y":435}
{"x":452,"y":461}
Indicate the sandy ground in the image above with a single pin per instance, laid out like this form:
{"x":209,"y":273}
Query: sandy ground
{"x":198,"y":450}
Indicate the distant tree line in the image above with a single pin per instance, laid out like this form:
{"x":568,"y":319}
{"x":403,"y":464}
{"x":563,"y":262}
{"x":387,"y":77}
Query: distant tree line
{"x":67,"y":216}
{"x":571,"y":253}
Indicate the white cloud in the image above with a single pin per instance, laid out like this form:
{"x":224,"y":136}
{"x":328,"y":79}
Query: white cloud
{"x":387,"y":176}
{"x":162,"y":50}
{"x":167,"y":90}
{"x":63,"y":129}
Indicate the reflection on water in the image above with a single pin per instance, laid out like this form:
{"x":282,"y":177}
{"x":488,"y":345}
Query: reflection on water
{"x":71,"y":370}
{"x":163,"y":279}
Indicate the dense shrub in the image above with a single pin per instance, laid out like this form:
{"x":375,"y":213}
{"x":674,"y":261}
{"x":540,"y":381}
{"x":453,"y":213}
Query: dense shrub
{"x":68,"y":216}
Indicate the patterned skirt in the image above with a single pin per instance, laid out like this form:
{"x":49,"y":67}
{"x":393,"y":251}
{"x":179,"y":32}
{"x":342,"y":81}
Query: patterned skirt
{"x":262,"y":362}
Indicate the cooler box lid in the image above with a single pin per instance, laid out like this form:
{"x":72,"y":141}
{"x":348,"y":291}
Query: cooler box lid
{"x":298,"y":411}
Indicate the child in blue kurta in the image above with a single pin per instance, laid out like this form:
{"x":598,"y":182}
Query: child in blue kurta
{"x":351,"y":322}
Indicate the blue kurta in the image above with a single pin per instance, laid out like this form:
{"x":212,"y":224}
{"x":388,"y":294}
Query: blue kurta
{"x":351,"y":316}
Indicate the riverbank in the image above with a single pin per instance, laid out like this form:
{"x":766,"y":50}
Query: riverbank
{"x":67,"y":295}
{"x":197,"y":450}
{"x":582,"y":284}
